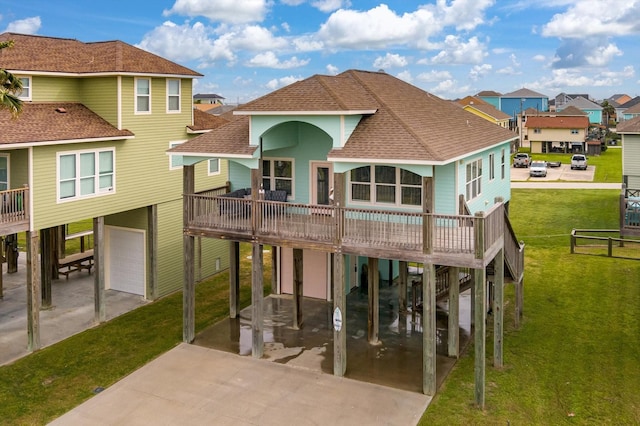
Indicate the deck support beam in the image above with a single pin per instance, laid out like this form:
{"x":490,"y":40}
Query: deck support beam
{"x":189,"y":290}
{"x":429,"y":379}
{"x":99,"y":264}
{"x":33,"y":292}
{"x":480,"y":332}
{"x":339,"y":287}
{"x":234,"y":279}
{"x":498,"y":309}
{"x":373,"y":282}
{"x":46,"y":262}
{"x":257,"y":302}
{"x":402,"y":286}
{"x":298,"y":288}
{"x":453,"y":328}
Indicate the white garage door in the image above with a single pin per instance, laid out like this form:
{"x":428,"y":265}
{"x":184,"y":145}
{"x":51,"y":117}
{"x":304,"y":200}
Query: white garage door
{"x":125,"y":259}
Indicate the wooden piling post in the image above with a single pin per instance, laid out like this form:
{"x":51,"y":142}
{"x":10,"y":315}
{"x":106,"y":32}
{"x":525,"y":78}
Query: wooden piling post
{"x":453,"y":326}
{"x":33,"y":292}
{"x":234,"y":279}
{"x":373,"y":282}
{"x":100,"y":314}
{"x":480,"y":332}
{"x":429,"y":379}
{"x":297,"y":287}
{"x":498,"y":310}
{"x":257,"y":302}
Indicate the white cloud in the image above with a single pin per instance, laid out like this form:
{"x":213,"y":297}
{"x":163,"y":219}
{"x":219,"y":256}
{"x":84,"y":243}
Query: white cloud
{"x":270,"y":60}
{"x":588,"y":18}
{"x":508,"y":71}
{"x":332,"y":69}
{"x":256,"y":38}
{"x":456,"y":51}
{"x":292,"y":2}
{"x":479,"y":71}
{"x":560,"y":79}
{"x":379,"y":27}
{"x":232,"y":11}
{"x":307,"y":44}
{"x":330,"y":5}
{"x":434,"y":76}
{"x":186,"y":43}
{"x":450,"y":87}
{"x":277,"y":83}
{"x":405,"y":75}
{"x":464,"y":14}
{"x":25,"y":26}
{"x":539,"y":58}
{"x":602,"y":55}
{"x":390,"y":60}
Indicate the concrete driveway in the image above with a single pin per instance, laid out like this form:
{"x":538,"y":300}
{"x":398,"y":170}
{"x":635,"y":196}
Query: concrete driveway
{"x":564,"y":173}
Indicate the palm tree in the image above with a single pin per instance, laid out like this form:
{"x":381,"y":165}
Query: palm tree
{"x":10,"y":87}
{"x":609,"y":111}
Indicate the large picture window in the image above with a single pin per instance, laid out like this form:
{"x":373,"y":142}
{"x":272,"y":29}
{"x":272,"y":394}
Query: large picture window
{"x":143,"y":95}
{"x":85,"y":173}
{"x":385,"y":185}
{"x":173,"y":95}
{"x":277,"y":174}
{"x":474,"y":179}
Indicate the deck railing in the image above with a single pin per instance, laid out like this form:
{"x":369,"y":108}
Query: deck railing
{"x":356,"y":227}
{"x":14,"y":206}
{"x":630,"y":211}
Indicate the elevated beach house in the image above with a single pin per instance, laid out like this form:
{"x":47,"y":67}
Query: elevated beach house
{"x":353,"y":170}
{"x":90,"y":144}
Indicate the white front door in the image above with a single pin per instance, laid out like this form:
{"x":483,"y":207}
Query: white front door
{"x":125,"y":259}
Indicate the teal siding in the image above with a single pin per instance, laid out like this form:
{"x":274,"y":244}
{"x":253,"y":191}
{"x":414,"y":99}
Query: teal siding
{"x":446,"y":201}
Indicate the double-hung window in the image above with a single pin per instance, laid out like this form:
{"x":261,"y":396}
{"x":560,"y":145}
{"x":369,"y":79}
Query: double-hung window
{"x":173,"y":95}
{"x":214,"y":167}
{"x":84,"y":174}
{"x":143,"y":95}
{"x":25,"y":94}
{"x":385,"y":185}
{"x":474,"y":179}
{"x":277,"y":174}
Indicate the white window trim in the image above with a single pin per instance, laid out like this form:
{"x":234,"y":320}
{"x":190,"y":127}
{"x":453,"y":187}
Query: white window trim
{"x":492,"y":166}
{"x":8,"y":157}
{"x":99,"y":193}
{"x":135,"y":91}
{"x":209,"y":172}
{"x":474,"y":181}
{"x":502,"y":164}
{"x":30,"y":86}
{"x":372,"y":191}
{"x":272,"y":178}
{"x":173,"y":144}
{"x":179,"y":95}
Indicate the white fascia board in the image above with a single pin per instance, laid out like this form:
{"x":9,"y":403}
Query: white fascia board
{"x":207,"y":155}
{"x":197,"y":132}
{"x":350,"y":112}
{"x":99,"y":74}
{"x":62,"y":142}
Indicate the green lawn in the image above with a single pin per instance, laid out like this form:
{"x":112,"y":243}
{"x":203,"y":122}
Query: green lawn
{"x":575,"y":360}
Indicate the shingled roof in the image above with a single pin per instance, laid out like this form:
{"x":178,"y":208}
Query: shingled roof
{"x":203,"y":121}
{"x":400,"y":121}
{"x":42,"y":122}
{"x":564,"y":122}
{"x":32,"y":53}
{"x":629,"y":126}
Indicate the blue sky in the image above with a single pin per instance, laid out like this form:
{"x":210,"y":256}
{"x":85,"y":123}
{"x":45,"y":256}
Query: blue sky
{"x":451,"y":48}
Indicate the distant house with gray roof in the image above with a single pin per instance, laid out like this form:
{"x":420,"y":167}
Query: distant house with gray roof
{"x":591,"y":109}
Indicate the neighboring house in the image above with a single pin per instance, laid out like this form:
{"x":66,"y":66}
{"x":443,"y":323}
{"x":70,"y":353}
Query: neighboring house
{"x":632,"y":112}
{"x":562,"y":99}
{"x":351,"y":172}
{"x":207,"y":98}
{"x":91,"y":144}
{"x":621,"y":110}
{"x":630,"y":197}
{"x":591,"y":109}
{"x":619,"y":99}
{"x":490,"y":97}
{"x":515,"y":102}
{"x":485,"y":110}
{"x":557,"y":134}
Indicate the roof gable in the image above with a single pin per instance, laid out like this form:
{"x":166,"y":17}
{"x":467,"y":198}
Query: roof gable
{"x":524,"y":93}
{"x":583,"y":103}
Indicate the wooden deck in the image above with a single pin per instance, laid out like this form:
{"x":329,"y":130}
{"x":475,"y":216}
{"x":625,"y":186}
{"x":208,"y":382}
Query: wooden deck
{"x":14,"y":213}
{"x":455,"y":240}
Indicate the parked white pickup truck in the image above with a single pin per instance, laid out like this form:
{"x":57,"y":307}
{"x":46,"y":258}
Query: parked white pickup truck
{"x":579,"y":161}
{"x":521,"y":159}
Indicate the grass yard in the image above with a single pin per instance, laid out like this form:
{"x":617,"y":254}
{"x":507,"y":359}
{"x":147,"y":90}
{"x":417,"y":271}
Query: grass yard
{"x":575,"y":360}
